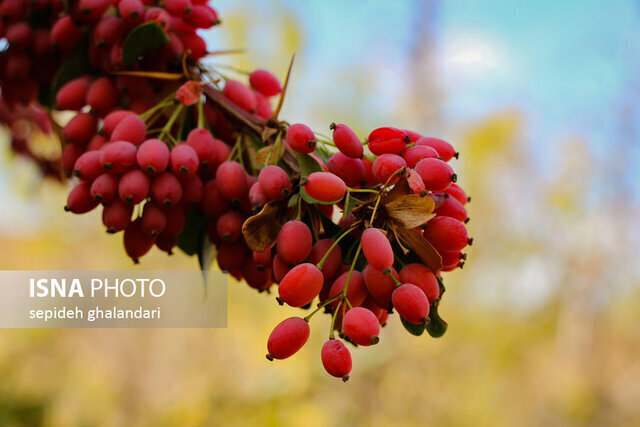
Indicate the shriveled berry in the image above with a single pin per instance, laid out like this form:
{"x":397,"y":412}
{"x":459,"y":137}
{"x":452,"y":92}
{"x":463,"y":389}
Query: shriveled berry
{"x":446,"y":233}
{"x":351,"y":171}
{"x":294,"y":242}
{"x":436,"y":174}
{"x":385,"y":166}
{"x":301,"y":138}
{"x":275,"y":182}
{"x":325,"y":186}
{"x":79,"y":200}
{"x":132,"y":129}
{"x":377,"y":249}
{"x":153,"y":156}
{"x":387,"y":140}
{"x":154,"y":219}
{"x":347,"y":141}
{"x":361,"y":326}
{"x":444,"y":149}
{"x":422,"y":277}
{"x":336,"y":359}
{"x":134,"y":187}
{"x":411,"y":303}
{"x":287,"y":338}
{"x":300,"y":285}
{"x":116,"y":215}
{"x":104,"y":188}
{"x":136,"y":242}
{"x":231,"y":180}
{"x":265,"y":82}
{"x":166,"y":189}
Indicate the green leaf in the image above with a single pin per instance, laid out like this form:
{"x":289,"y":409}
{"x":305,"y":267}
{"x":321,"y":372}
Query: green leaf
{"x":190,"y":238}
{"x":436,"y":326}
{"x":76,"y":65}
{"x":413,"y":329}
{"x":144,"y":38}
{"x":307,"y":164}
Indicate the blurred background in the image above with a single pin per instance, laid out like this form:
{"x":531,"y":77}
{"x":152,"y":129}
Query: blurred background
{"x":541,"y":99}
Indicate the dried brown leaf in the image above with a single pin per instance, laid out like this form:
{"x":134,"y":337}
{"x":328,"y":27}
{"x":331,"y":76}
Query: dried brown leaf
{"x":276,"y":151}
{"x":268,"y":132}
{"x":401,"y":188}
{"x":421,"y":246}
{"x":411,"y":210}
{"x":262,"y":229}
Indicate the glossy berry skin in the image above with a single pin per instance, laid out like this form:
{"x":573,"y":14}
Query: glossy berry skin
{"x":368,"y":172}
{"x":136,"y":242}
{"x":453,"y":208}
{"x":444,"y":149}
{"x":435,"y":173}
{"x":422,"y":277}
{"x":379,"y":285}
{"x":118,"y":156}
{"x":184,"y":160}
{"x":88,"y":166}
{"x":265,"y":82}
{"x":446,"y":233}
{"x":178,"y":8}
{"x":166,"y":189}
{"x":65,"y":34}
{"x":131,"y":10}
{"x":336,"y":359}
{"x":325,"y":186}
{"x":347,"y":141}
{"x":301,"y":138}
{"x":263,"y":260}
{"x":231,"y":179}
{"x":103,"y":95}
{"x":153,"y":156}
{"x":154,"y":219}
{"x":240,"y":95}
{"x":80,"y":128}
{"x":229,"y":226}
{"x":275,"y":182}
{"x":287,"y":338}
{"x":361,"y":326}
{"x":72,"y":96}
{"x":202,"y":16}
{"x":279,"y":268}
{"x":351,"y":171}
{"x":104,"y":188}
{"x":79,"y":200}
{"x":413,"y":155}
{"x":411,"y":303}
{"x":116,"y":215}
{"x":356,"y":291}
{"x":300,"y":285}
{"x":294,"y":242}
{"x":385,"y":166}
{"x":204,"y":144}
{"x":132,"y":129}
{"x":332,"y":262}
{"x":257,"y":198}
{"x":452,"y":259}
{"x":377,"y":249}
{"x":387,"y":140}
{"x":113,"y":119}
{"x":255,"y":277}
{"x":134,"y":187}
{"x":458,"y":193}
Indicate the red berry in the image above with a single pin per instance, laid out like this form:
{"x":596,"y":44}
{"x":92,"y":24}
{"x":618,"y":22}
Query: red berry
{"x":93,"y":9}
{"x":153,"y":156}
{"x":422,"y":277}
{"x":133,"y":187}
{"x":294,"y":242}
{"x":413,"y":136}
{"x":325,"y":186}
{"x":416,"y":153}
{"x":88,"y":166}
{"x":387,"y":140}
{"x":116,"y":215}
{"x":198,"y":48}
{"x":300,"y":285}
{"x":336,"y":359}
{"x":131,"y":10}
{"x":240,"y":95}
{"x":452,"y":259}
{"x":446,"y":233}
{"x":385,"y":166}
{"x":436,"y":174}
{"x":275,"y":182}
{"x":202,"y":16}
{"x":160,"y":16}
{"x":81,"y":128}
{"x":136,"y":242}
{"x":213,"y":204}
{"x":132,"y":129}
{"x":287,"y":338}
{"x":65,"y":34}
{"x":280,"y":269}
{"x":96,"y":142}
{"x":176,"y":219}
{"x":332,"y":262}
{"x":104,"y":188}
{"x":379,"y":285}
{"x":263,"y":106}
{"x":229,"y":226}
{"x":103,"y":95}
{"x":202,"y":141}
{"x":108,"y":31}
{"x":70,"y":154}
{"x":19,"y":35}
{"x":347,"y":141}
{"x":178,"y":8}
{"x":231,"y":255}
{"x":368,"y":172}
{"x":377,"y":249}
{"x":411,"y":303}
{"x":361,"y":326}
{"x":351,"y":171}
{"x":456,"y":191}
{"x":184,"y":160}
{"x":192,"y":190}
{"x":12,"y":10}
{"x":356,"y":290}
{"x":257,"y":198}
{"x":259,"y":279}
{"x":265,"y":82}
{"x":444,"y":149}
{"x":118,"y":157}
{"x":154,"y":219}
{"x":166,"y":189}
{"x":453,"y":208}
{"x":301,"y":138}
{"x":79,"y":200}
{"x":113,"y":119}
{"x":263,"y":260}
{"x":231,"y":179}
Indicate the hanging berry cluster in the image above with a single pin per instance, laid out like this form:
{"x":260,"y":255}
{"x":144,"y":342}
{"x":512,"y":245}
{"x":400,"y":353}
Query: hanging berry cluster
{"x":178,"y":154}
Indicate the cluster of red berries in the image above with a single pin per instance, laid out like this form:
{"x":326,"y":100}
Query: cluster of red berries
{"x":363,"y":227}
